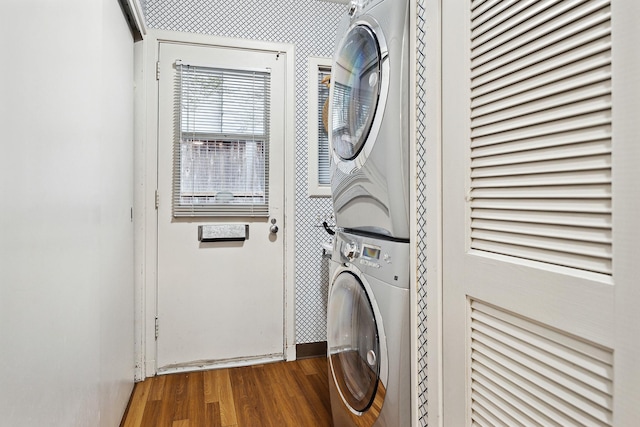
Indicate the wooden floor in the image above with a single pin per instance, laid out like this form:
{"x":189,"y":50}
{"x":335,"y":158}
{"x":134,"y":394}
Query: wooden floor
{"x":279,"y":394}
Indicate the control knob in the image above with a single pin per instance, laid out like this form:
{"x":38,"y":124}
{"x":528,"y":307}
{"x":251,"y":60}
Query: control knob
{"x":354,"y":7}
{"x":350,"y":250}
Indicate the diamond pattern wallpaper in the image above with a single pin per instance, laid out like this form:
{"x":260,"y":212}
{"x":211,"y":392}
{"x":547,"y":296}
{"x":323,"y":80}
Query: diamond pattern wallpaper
{"x":422,"y":213}
{"x":311,"y":26}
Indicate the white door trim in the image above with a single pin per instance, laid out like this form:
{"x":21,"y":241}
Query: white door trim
{"x":433,"y":233}
{"x":432,"y":124}
{"x":413,"y":211}
{"x":145,"y":181}
{"x":626,"y":210}
{"x":434,"y":218}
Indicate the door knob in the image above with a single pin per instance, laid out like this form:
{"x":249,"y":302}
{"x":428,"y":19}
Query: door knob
{"x":274,"y":228}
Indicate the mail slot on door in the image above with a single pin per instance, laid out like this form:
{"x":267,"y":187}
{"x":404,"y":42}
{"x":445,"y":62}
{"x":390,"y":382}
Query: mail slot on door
{"x":223,"y":232}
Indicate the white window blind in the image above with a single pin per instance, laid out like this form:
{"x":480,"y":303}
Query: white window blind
{"x":318,"y":173}
{"x":541,"y":131}
{"x":324,"y":177}
{"x":221,"y":154}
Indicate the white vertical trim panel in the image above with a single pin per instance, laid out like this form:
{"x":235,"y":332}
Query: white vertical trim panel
{"x":432,"y":128}
{"x":626,"y":204}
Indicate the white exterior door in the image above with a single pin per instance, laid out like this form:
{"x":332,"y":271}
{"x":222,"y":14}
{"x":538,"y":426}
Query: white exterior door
{"x":530,"y":197}
{"x":219,"y":301}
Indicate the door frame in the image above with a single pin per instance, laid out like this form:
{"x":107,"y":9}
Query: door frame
{"x":145,"y":183}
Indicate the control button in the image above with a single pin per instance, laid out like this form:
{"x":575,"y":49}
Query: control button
{"x":387,"y":258}
{"x":369,"y":263}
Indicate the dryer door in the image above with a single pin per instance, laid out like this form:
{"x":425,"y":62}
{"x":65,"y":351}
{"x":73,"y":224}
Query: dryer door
{"x":353,"y":341}
{"x":355,"y":89}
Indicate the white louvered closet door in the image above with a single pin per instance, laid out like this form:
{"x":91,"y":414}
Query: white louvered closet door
{"x":529,"y":289}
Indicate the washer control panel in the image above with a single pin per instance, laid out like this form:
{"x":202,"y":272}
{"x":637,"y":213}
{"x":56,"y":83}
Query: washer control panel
{"x":386,"y":260}
{"x":358,"y":7}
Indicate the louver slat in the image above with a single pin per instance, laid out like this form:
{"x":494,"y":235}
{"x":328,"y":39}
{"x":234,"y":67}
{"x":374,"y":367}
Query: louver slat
{"x":536,"y":375}
{"x":585,"y":72}
{"x":581,"y":234}
{"x":547,"y":98}
{"x":554,"y":218}
{"x":577,"y":208}
{"x":549,"y":130}
{"x":483,"y":10}
{"x":601,"y":134}
{"x":493,"y":410}
{"x":486,"y":20}
{"x":506,"y":157}
{"x":537,"y":53}
{"x":517,"y":119}
{"x":500,"y":389}
{"x":535,"y":23}
{"x":540,"y":174}
{"x":539,"y":163}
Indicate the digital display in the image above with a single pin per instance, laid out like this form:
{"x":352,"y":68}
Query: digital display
{"x":371,"y":252}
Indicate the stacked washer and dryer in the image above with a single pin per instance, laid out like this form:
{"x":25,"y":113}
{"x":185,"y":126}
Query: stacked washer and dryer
{"x":368,"y":332}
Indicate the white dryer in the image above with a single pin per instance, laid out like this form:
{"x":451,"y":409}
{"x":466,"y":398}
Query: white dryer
{"x":368,"y":333}
{"x":368,"y":120}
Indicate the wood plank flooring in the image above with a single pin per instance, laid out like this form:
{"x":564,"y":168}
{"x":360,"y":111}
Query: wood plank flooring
{"x":282,"y":394}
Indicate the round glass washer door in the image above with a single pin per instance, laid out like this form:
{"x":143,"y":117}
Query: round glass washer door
{"x":355,"y":84}
{"x":353,"y":341}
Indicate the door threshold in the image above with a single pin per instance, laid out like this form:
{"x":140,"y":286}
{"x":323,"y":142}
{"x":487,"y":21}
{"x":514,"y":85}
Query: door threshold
{"x":205,"y":365}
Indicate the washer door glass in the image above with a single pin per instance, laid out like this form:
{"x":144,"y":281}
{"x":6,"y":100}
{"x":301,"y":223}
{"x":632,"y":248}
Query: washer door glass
{"x":356,"y":87}
{"x":354,"y":347}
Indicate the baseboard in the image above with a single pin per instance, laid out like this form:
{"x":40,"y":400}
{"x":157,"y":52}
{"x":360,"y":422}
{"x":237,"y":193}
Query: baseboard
{"x":312,"y":349}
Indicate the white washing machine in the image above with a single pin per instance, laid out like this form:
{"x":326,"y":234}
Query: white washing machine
{"x":369,"y":119}
{"x":368,"y":332}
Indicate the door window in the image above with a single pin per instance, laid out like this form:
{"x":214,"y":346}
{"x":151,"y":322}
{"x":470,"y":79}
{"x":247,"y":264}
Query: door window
{"x":354,"y":346}
{"x":356,"y":88}
{"x":221,"y":155}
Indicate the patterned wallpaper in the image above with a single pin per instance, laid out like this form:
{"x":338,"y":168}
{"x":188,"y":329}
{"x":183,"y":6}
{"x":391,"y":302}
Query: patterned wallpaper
{"x":422,"y":212}
{"x":311,"y":26}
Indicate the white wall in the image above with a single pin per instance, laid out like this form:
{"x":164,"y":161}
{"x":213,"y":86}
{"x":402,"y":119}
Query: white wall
{"x":66,"y":262}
